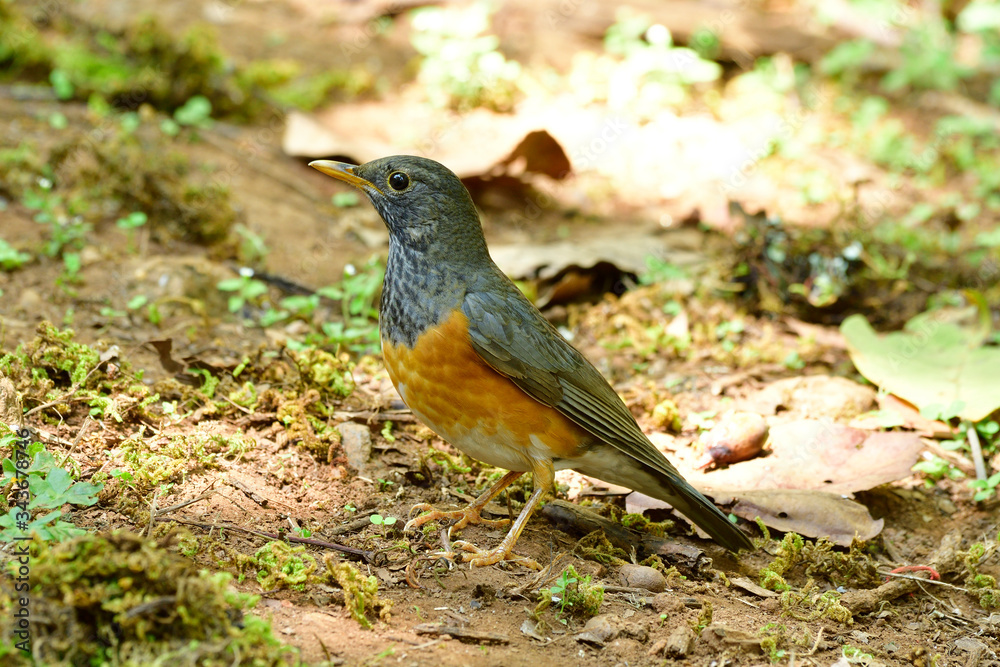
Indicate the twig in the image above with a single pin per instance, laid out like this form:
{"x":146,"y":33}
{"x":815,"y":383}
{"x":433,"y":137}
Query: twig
{"x":152,"y":516}
{"x":367,"y":556}
{"x":79,"y":436}
{"x":401,"y":416}
{"x":819,"y":637}
{"x":207,"y":493}
{"x":357,"y":524}
{"x":627,"y":589}
{"x":236,"y":405}
{"x":65,"y":398}
{"x":936,"y":582}
{"x":977,"y":452}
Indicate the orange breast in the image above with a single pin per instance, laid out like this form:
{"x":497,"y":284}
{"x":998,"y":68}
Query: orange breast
{"x":475,"y":408}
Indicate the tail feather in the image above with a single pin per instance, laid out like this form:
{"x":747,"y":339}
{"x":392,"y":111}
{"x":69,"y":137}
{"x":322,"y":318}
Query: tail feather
{"x":672,"y":489}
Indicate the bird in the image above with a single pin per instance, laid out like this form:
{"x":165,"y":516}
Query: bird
{"x":478,"y":363}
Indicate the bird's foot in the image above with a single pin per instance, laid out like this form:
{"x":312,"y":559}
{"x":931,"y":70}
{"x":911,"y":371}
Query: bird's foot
{"x":462,"y":517}
{"x":477,"y":557}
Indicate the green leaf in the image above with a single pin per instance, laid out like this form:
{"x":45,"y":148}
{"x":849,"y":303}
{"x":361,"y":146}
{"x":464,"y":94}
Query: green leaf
{"x":932,"y":361}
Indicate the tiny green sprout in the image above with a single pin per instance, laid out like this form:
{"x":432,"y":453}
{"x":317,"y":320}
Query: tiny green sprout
{"x":562,"y":586}
{"x":346,"y":199}
{"x":384,"y":484}
{"x":244,"y":289}
{"x":384,"y":521}
{"x":138,"y":301}
{"x":350,"y":507}
{"x":985,"y":488}
{"x":133,"y":220}
{"x":125,"y":477}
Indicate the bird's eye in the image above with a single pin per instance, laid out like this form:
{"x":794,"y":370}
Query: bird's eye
{"x":398,"y":181}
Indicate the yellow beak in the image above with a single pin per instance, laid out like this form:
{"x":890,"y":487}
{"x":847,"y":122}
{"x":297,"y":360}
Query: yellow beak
{"x":343,"y":172}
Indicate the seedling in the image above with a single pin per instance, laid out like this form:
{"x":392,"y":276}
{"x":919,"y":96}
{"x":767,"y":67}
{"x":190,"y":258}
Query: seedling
{"x":245,"y":289}
{"x":384,"y":521}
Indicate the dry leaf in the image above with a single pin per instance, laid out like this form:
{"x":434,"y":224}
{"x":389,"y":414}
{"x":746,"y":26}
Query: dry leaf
{"x":820,"y":455}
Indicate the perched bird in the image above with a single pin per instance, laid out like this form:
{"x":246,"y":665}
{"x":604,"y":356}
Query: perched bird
{"x":480,"y":365}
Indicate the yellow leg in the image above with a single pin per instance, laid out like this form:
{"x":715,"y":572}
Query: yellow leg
{"x":477,"y":557}
{"x":544,"y":484}
{"x":469,"y":515}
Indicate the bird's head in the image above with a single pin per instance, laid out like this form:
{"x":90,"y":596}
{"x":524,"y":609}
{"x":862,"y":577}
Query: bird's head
{"x":422,"y":202}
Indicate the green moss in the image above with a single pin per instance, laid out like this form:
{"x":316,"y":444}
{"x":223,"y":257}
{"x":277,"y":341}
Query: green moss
{"x":146,"y":63}
{"x":280,"y":565}
{"x":806,"y":606}
{"x":320,"y":370}
{"x":641,"y":523}
{"x":120,"y":599}
{"x":789,"y":553}
{"x":573,"y":594}
{"x":983,"y":585}
{"x":360,"y":592}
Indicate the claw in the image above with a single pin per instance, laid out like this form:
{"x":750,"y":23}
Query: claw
{"x":462,"y":518}
{"x":477,"y":557}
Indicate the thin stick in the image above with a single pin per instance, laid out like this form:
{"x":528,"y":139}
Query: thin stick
{"x":368,"y":556}
{"x":65,"y":398}
{"x":79,"y":436}
{"x":977,"y":452}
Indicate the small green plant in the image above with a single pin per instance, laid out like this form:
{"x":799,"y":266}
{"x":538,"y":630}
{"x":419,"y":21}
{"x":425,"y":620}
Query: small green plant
{"x":195,"y":112}
{"x":66,"y":227}
{"x":985,"y":488}
{"x":49,"y":487}
{"x":245,"y":289}
{"x":358,"y":328}
{"x":937,"y":468}
{"x":125,"y":477}
{"x":461,"y":67}
{"x":643,"y":54}
{"x":855,"y":655}
{"x":574,"y":594}
{"x":385,"y":521}
{"x":659,"y":271}
{"x":11,"y":258}
{"x":130,"y":223}
{"x":346,"y":199}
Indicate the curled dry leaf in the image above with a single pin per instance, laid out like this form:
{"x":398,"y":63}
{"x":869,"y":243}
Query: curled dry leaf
{"x":737,"y":437}
{"x":819,"y":455}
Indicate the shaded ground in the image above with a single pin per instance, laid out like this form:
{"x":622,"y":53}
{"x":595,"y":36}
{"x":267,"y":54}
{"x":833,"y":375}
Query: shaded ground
{"x":267,"y":449}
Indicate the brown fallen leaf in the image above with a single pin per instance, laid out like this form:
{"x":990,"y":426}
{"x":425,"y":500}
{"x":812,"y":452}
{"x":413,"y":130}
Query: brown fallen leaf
{"x":809,"y":513}
{"x":909,"y":417}
{"x":819,"y":455}
{"x":806,"y":512}
{"x":752,"y":588}
{"x":504,"y":142}
{"x":812,"y":396}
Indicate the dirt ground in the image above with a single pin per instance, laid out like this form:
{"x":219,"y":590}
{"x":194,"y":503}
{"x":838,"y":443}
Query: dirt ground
{"x":714,"y":614}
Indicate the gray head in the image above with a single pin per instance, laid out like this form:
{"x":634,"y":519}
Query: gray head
{"x":422,"y":202}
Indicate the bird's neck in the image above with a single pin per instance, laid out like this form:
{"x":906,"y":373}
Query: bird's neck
{"x":418,"y":293}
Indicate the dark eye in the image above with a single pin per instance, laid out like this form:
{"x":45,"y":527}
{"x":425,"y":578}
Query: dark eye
{"x":398,"y":181}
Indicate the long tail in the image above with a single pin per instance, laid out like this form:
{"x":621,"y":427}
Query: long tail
{"x":683,"y":497}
